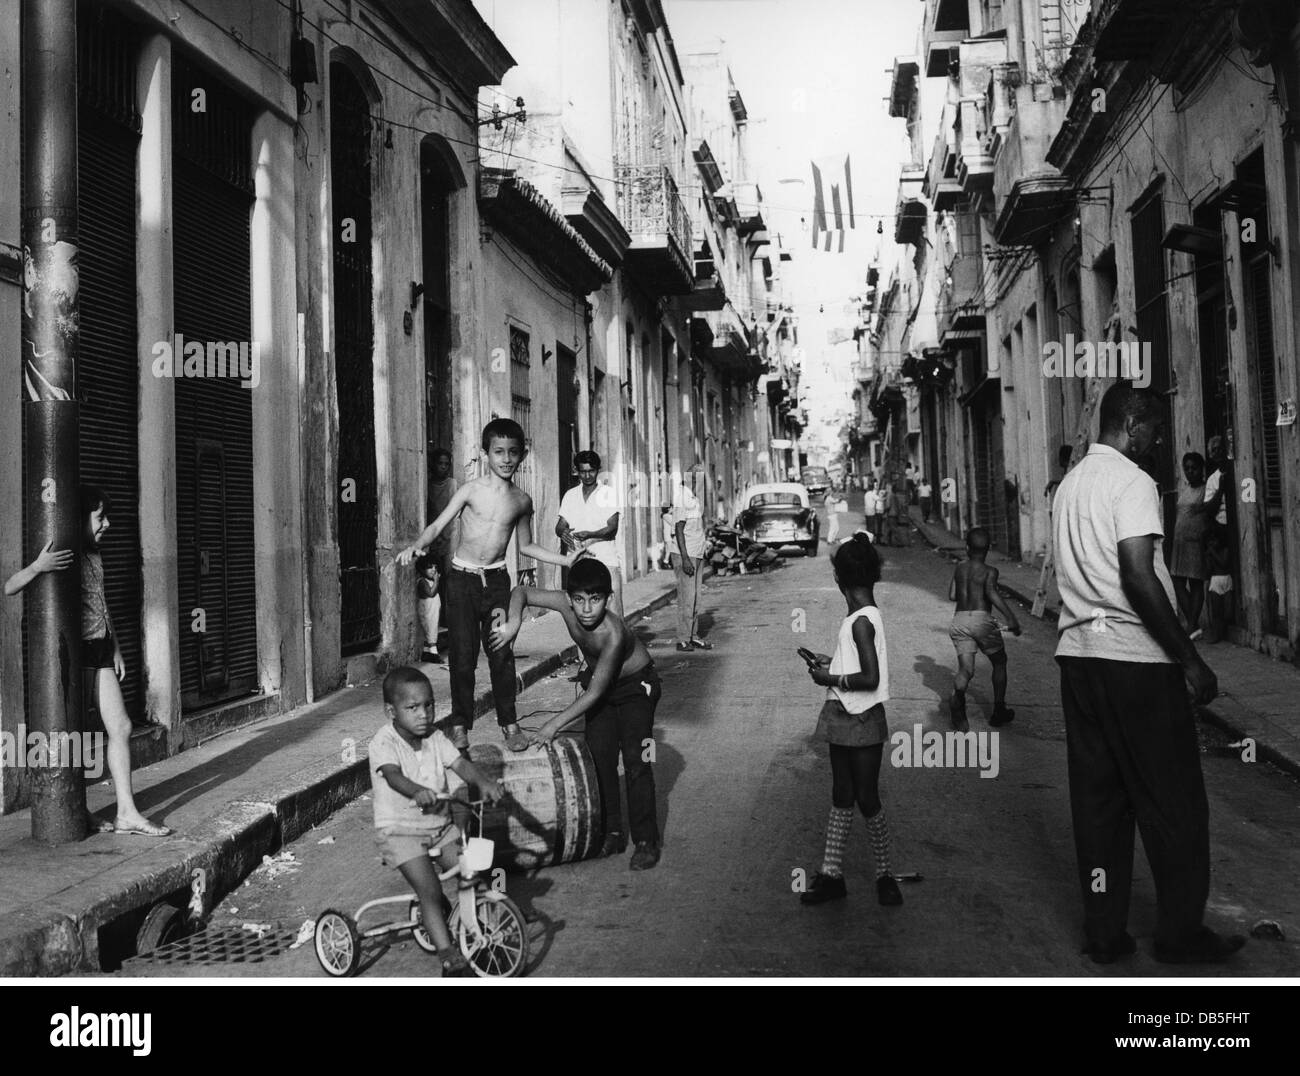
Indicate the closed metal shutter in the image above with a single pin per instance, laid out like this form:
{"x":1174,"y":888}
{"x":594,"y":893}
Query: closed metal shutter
{"x":211,"y":204}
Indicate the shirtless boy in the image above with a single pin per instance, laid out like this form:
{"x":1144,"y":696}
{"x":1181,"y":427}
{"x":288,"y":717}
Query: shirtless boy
{"x":974,"y":588}
{"x":621,"y":691}
{"x":477,"y":586}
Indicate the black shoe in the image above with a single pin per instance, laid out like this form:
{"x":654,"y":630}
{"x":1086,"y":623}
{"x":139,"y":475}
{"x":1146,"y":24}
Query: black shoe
{"x":1205,"y":947}
{"x":614,"y":844}
{"x":1109,"y":952}
{"x":645,"y":856}
{"x":887,"y":890}
{"x":1002,"y":717}
{"x":824,"y":887}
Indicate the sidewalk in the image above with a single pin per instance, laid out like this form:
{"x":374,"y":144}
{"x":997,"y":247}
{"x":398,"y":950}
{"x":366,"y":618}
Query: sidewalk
{"x":1259,"y":697}
{"x":231,"y":800}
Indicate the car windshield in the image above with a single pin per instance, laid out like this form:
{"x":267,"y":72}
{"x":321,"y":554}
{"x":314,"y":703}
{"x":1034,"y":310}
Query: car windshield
{"x":814,"y":473}
{"x":762,"y":500}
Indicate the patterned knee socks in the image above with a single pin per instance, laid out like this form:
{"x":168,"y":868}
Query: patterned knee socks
{"x":837,"y":835}
{"x":878,"y":831}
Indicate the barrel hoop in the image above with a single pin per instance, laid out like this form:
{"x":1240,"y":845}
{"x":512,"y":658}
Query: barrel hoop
{"x":561,"y":819}
{"x":581,"y":796}
{"x":594,"y":831}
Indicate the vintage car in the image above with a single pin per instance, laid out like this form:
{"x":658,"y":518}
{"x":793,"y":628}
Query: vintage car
{"x":816,"y":480}
{"x":779,"y":514}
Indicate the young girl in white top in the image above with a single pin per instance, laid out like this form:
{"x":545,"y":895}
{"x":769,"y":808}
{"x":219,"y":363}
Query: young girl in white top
{"x":853,"y":721}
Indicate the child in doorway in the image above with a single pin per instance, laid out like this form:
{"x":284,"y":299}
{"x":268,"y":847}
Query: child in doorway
{"x":853,"y":721}
{"x":1218,"y":563}
{"x":409,"y":763}
{"x":621,"y":691}
{"x":974,"y":588}
{"x":490,"y":509}
{"x":102,"y":666}
{"x":429,"y":604}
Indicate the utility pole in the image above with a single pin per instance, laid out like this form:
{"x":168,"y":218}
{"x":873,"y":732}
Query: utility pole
{"x":51,"y":338}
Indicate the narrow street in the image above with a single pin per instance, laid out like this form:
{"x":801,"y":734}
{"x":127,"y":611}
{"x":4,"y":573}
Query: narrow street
{"x":743,"y":792}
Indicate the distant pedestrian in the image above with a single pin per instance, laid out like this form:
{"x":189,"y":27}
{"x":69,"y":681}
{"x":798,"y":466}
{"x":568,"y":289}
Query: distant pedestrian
{"x":687,"y":521}
{"x":102,"y":665}
{"x":1131,"y":737}
{"x":589,"y":520}
{"x":974,"y":588}
{"x":1187,"y":562}
{"x":879,"y":506}
{"x":852,"y":720}
{"x":925,"y":494}
{"x":833,"y":502}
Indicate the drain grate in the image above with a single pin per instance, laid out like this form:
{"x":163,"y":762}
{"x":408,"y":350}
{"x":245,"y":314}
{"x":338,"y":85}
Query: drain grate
{"x":224,"y":945}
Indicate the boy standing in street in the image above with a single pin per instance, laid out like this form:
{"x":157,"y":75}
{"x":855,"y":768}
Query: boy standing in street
{"x":490,"y":509}
{"x":589,"y":520}
{"x":621,"y":691}
{"x":974,"y":588}
{"x":687,"y":522}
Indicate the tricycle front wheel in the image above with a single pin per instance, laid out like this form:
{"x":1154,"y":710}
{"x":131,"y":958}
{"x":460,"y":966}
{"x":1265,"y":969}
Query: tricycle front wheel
{"x":338,"y":946}
{"x":500,"y":948}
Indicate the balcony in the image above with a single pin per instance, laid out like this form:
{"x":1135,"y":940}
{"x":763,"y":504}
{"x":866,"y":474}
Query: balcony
{"x":655,"y":218}
{"x":974,"y":162}
{"x":1133,"y":29}
{"x":902,"y":86}
{"x":732,"y":352}
{"x":749,"y":203}
{"x":1031,"y":194}
{"x":941,"y":185}
{"x":909,"y":224}
{"x":947,"y":24}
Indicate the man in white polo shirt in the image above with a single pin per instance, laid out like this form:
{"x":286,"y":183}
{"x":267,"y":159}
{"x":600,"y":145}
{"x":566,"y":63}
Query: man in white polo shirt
{"x":1126,"y":666}
{"x":687,"y":523}
{"x":589,"y":514}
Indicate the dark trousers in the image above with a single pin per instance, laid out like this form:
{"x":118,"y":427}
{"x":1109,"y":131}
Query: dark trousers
{"x":1133,"y":758}
{"x":624,"y":721}
{"x":473,"y":605}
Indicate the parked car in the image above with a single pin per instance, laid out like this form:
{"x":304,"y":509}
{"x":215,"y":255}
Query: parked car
{"x":815,"y":480}
{"x":779,"y":514}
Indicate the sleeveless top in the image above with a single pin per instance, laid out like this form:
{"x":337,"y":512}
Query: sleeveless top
{"x":845,"y":662}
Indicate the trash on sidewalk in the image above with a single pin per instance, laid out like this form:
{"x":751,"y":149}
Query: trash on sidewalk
{"x":305,"y":933}
{"x":1268,"y":928}
{"x":326,"y":840}
{"x":274,"y":866}
{"x":255,"y":928}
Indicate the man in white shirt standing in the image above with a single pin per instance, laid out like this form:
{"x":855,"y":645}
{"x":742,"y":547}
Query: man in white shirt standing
{"x":1126,"y":666}
{"x":589,"y":518}
{"x":687,"y":522}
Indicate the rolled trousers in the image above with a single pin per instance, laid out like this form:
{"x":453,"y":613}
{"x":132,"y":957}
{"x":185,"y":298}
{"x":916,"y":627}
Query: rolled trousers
{"x":475,"y":603}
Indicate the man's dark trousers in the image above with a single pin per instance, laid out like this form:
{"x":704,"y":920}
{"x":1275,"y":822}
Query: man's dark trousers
{"x":472,"y":601}
{"x":624,"y":721}
{"x":1133,"y":757}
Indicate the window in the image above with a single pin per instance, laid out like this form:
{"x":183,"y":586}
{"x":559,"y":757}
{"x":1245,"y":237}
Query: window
{"x":521,"y":403}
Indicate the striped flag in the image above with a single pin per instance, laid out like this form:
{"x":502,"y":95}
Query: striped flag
{"x":837,"y":185}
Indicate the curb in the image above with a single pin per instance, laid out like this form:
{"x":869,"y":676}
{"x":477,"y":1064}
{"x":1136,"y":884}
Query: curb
{"x":64,"y":939}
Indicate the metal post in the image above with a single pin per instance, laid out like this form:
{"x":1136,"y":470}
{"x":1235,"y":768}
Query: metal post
{"x":50,"y":342}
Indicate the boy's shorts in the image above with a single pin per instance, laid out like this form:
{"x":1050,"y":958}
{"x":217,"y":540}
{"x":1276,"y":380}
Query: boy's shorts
{"x":398,"y":848}
{"x":975,"y":630}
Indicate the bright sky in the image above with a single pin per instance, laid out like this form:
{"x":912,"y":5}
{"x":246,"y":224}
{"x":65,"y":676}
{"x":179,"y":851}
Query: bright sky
{"x":814,"y":75}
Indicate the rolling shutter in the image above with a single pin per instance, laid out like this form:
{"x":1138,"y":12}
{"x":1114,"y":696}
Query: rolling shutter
{"x":211,"y":204}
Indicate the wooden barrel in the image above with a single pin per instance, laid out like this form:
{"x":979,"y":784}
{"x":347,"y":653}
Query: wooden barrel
{"x":553,"y":812}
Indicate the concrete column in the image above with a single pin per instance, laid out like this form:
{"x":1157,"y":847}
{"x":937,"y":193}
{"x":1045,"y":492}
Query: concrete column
{"x":160,"y":622}
{"x":277,"y":493}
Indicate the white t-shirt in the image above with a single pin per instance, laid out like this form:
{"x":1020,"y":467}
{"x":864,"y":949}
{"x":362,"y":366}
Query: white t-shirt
{"x":686,"y":509}
{"x":1211,"y":488}
{"x":592,"y":514}
{"x":430,"y":766}
{"x":1104,"y":500}
{"x":845,"y":662}
{"x":923,"y":490}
